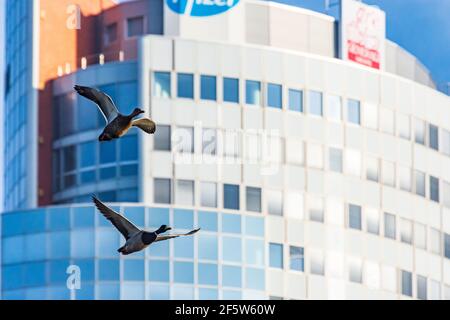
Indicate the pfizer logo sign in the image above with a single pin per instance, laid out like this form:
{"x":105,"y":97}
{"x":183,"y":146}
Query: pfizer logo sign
{"x":201,"y":8}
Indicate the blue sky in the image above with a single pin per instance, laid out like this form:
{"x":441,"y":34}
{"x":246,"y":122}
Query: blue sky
{"x":422,"y":27}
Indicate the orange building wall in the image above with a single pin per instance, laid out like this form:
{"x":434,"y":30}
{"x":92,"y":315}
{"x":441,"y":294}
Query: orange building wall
{"x":60,"y":45}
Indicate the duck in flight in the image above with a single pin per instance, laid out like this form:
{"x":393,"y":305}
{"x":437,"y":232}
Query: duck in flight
{"x":117,"y":124}
{"x":136,"y":239}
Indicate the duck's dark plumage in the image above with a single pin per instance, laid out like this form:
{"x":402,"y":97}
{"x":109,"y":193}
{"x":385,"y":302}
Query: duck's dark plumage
{"x":136,"y":239}
{"x":117,"y":124}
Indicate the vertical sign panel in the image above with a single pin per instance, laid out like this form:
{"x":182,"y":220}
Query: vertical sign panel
{"x":363,"y":33}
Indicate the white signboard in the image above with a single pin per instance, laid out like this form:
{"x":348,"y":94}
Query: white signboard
{"x":363,"y":33}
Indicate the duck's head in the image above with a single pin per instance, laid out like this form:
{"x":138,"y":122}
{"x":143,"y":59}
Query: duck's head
{"x":137,"y":111}
{"x":104,"y":137}
{"x":163,"y":228}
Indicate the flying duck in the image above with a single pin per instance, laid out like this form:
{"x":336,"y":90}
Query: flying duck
{"x":117,"y":124}
{"x":136,"y":239}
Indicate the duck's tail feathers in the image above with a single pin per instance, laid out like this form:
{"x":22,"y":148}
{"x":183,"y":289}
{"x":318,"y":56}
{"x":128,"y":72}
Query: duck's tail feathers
{"x":145,"y":124}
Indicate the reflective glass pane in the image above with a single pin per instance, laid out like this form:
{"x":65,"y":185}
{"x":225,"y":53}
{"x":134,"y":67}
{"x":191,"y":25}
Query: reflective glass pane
{"x":158,"y":270}
{"x":108,"y":270}
{"x":207,"y":274}
{"x":185,"y":85}
{"x":183,"y":219}
{"x":231,"y":196}
{"x":208,"y":197}
{"x":253,"y":199}
{"x":231,"y":276}
{"x":231,"y":223}
{"x":276,"y":255}
{"x":133,"y":270}
{"x":207,"y":247}
{"x":255,"y":279}
{"x":162,"y":138}
{"x":208,"y":87}
{"x":231,"y":90}
{"x":254,"y":252}
{"x":353,"y":111}
{"x":231,"y":249}
{"x":254,"y":226}
{"x":296,"y":100}
{"x":162,"y":191}
{"x":161,"y":84}
{"x":296,"y":258}
{"x":354,"y":217}
{"x":315,"y":103}
{"x":274,"y":95}
{"x":207,"y":220}
{"x":183,"y":272}
{"x":253,"y":92}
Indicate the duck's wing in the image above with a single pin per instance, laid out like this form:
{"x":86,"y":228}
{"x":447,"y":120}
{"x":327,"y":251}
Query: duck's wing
{"x":171,"y":236}
{"x":103,"y":101}
{"x":126,"y":228}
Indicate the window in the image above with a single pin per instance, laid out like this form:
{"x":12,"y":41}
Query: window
{"x":253,"y":199}
{"x":183,"y":272}
{"x":129,"y":148}
{"x":335,"y":159}
{"x":389,"y":173}
{"x":209,"y":142}
{"x":447,"y":245}
{"x":231,"y":90}
{"x":208,"y":88}
{"x":274,"y":95}
{"x":158,"y":270}
{"x":421,"y":287}
{"x":353,"y":111}
{"x":207,"y":247}
{"x":370,"y":116}
{"x":254,"y":252}
{"x":317,"y":263}
{"x":231,"y":249}
{"x":208,"y":196}
{"x":434,"y":137}
{"x":353,"y":162}
{"x":231,"y":223}
{"x":184,"y":137}
{"x":110,"y":33}
{"x":231,"y":276}
{"x":315,"y":209}
{"x":372,"y":168}
{"x":254,"y":226}
{"x":231,"y":196}
{"x":162,"y":138}
{"x":372,"y":220}
{"x":274,"y":202}
{"x":315,"y":103}
{"x":185,"y":192}
{"x":420,"y":235}
{"x":276,"y":255}
{"x":419,"y":131}
{"x":161,"y":85}
{"x":253,"y":92}
{"x":434,"y":189}
{"x":296,"y":258}
{"x":387,"y":120}
{"x":135,"y":26}
{"x":334,"y":108}
{"x":161,"y":191}
{"x":88,"y":154}
{"x":420,"y":183}
{"x":445,"y":141}
{"x":435,"y":241}
{"x":185,"y":85}
{"x":405,"y":178}
{"x":315,"y":156}
{"x":293,"y":205}
{"x":406,"y":231}
{"x":295,"y":151}
{"x":355,"y":270}
{"x":406,"y":283}
{"x":389,"y":226}
{"x":354,"y":217}
{"x":404,"y":126}
{"x":296,"y":100}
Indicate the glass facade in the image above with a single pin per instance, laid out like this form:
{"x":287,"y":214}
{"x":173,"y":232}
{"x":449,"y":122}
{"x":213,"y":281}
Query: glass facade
{"x":18,"y":96}
{"x":83,"y":165}
{"x":42,"y":247}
